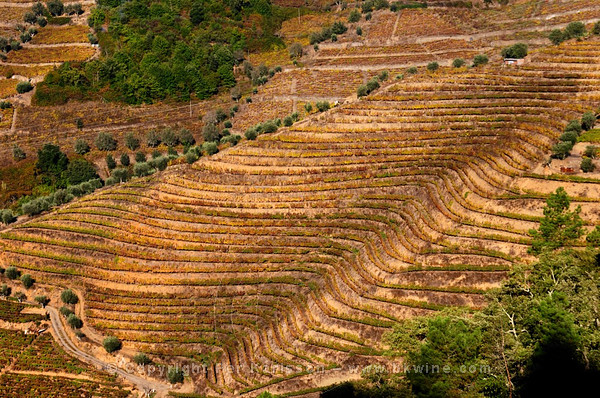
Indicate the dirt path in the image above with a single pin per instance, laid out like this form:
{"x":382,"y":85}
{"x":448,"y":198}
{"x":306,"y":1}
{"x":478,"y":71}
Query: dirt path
{"x":65,"y":342}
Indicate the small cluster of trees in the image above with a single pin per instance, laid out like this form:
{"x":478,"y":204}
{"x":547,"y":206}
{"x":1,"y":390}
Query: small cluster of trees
{"x":574,"y":128}
{"x":372,"y":84}
{"x":572,"y":31}
{"x":261,"y":74}
{"x":328,"y":33}
{"x":518,"y":50}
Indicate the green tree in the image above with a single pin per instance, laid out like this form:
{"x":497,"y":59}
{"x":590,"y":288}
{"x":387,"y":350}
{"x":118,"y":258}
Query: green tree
{"x":74,"y":321}
{"x":480,"y":59}
{"x":562,"y":149}
{"x":433,"y":66}
{"x":559,"y":227}
{"x":575,"y":29}
{"x":27,"y":281}
{"x":354,"y":16}
{"x":12,"y":272}
{"x":5,"y":290}
{"x":78,"y":171}
{"x":124,"y":159}
{"x":106,"y":142}
{"x":175,"y":375}
{"x":81,"y":147}
{"x":42,"y":300}
{"x":588,"y":120}
{"x":556,"y":36}
{"x":69,"y":297}
{"x":587,"y":165}
{"x":518,"y":50}
{"x":141,"y":359}
{"x":18,"y":153}
{"x":458,"y":63}
{"x":24,"y":87}
{"x":51,"y":163}
{"x":110,"y":162}
{"x":55,"y":7}
{"x":591,"y":151}
{"x":131,"y":141}
{"x":112,"y":344}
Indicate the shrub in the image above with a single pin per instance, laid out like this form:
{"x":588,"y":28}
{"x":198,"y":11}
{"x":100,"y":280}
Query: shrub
{"x":18,"y":153}
{"x":232,"y":139}
{"x":210,"y":133}
{"x":562,"y":149}
{"x":131,"y":142}
{"x":575,"y":29}
{"x":308,"y":107}
{"x":169,"y":138}
{"x":368,"y":16}
{"x":269,"y":127}
{"x":7,"y":216}
{"x":110,"y":162}
{"x":458,"y":63}
{"x":74,"y":321}
{"x":112,"y":344}
{"x":287,"y":121}
{"x":191,"y":157}
{"x":354,"y":16}
{"x":575,"y":126}
{"x":152,"y":139}
{"x":120,"y":174}
{"x":142,"y":169}
{"x":322,"y":106}
{"x":295,"y":50}
{"x":588,"y":120}
{"x":141,"y":359}
{"x":42,"y":300}
{"x":69,"y":297}
{"x":27,"y":281}
{"x":12,"y":272}
{"x":339,"y":28}
{"x":81,"y":147}
{"x":480,"y":59}
{"x":140,"y":157}
{"x":251,"y":134}
{"x":596,"y":29}
{"x":24,"y":87}
{"x":412,"y":70}
{"x":39,"y":8}
{"x":106,"y":142}
{"x":55,"y":7}
{"x":124,"y":160}
{"x":5,"y":290}
{"x":210,"y":148}
{"x":65,"y":311}
{"x":359,"y":31}
{"x":433,"y":66}
{"x":175,"y":375}
{"x":590,"y":151}
{"x":569,"y":136}
{"x":518,"y":50}
{"x":161,"y":163}
{"x":587,"y":165}
{"x":30,"y":17}
{"x":556,"y":36}
{"x":383,"y":75}
{"x":40,"y":20}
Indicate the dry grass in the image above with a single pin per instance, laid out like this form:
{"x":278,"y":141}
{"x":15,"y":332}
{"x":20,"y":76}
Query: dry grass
{"x":13,"y":14}
{"x":61,"y":34}
{"x":6,"y":118}
{"x":34,"y":55}
{"x":8,"y":87}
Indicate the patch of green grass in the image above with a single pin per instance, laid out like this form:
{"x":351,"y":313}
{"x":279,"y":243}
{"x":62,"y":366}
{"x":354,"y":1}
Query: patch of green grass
{"x":590,"y":136}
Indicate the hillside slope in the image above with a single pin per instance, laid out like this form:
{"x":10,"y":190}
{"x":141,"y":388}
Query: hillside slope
{"x":300,"y":249}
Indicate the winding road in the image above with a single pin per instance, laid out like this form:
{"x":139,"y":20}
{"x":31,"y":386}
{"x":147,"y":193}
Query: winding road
{"x":65,"y":342}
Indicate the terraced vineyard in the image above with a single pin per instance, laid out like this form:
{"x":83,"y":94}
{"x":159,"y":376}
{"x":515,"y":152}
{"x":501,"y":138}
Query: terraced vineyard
{"x":300,"y":249}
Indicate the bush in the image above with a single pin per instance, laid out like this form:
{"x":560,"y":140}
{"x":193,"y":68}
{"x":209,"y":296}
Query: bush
{"x":569,"y":136}
{"x":591,"y":151}
{"x":106,"y":142}
{"x":112,"y":344}
{"x":169,"y":138}
{"x":287,"y":121}
{"x":588,"y":120}
{"x":480,"y":59}
{"x":27,"y":281}
{"x":518,"y":50}
{"x":412,"y":70}
{"x":18,"y":153}
{"x":142,"y":169}
{"x":55,"y":7}
{"x":339,"y":28}
{"x":12,"y":272}
{"x":24,"y":87}
{"x":322,"y":106}
{"x":152,"y":139}
{"x":42,"y":300}
{"x":556,"y":36}
{"x":191,"y":157}
{"x":596,"y":29}
{"x":5,"y":290}
{"x":161,"y":163}
{"x":69,"y":297}
{"x":175,"y":375}
{"x":40,"y":20}
{"x":7,"y":216}
{"x":433,"y":66}
{"x":574,"y":126}
{"x":74,"y":321}
{"x":210,"y":133}
{"x":81,"y":147}
{"x":124,"y":160}
{"x":269,"y":127}
{"x":383,"y":75}
{"x":131,"y":141}
{"x":575,"y":29}
{"x":587,"y":165}
{"x":141,"y":359}
{"x":458,"y":63}
{"x":251,"y":134}
{"x":110,"y":162}
{"x":65,"y":311}
{"x":140,"y":157}
{"x":119,"y":175}
{"x":562,"y":149}
{"x":359,"y":31}
{"x":210,"y":148}
{"x":308,"y":107}
{"x":295,"y":50}
{"x":354,"y":16}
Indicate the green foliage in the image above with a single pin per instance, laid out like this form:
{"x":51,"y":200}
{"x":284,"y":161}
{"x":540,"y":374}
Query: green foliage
{"x":412,"y":70}
{"x":559,"y":227}
{"x":131,"y":141}
{"x":51,"y":163}
{"x":65,"y":311}
{"x":191,"y":157}
{"x":588,"y":120}
{"x":288,"y":121}
{"x":140,"y":157}
{"x":110,"y":162}
{"x":105,"y":142}
{"x":575,"y":29}
{"x":69,"y":297}
{"x":210,"y":148}
{"x":433,"y":66}
{"x":142,"y":169}
{"x":141,"y":359}
{"x":12,"y":272}
{"x":587,"y":165}
{"x":575,"y":126}
{"x":591,"y":151}
{"x":518,"y":50}
{"x":42,"y":300}
{"x":322,"y":106}
{"x":308,"y":107}
{"x":480,"y":59}
{"x":295,"y":50}
{"x":175,"y":375}
{"x":354,"y":16}
{"x":81,"y":146}
{"x":5,"y":290}
{"x":596,"y":29}
{"x":569,"y":136}
{"x":18,"y":153}
{"x":458,"y":63}
{"x":111,"y":344}
{"x":27,"y":280}
{"x":7,"y":216}
{"x":124,"y":159}
{"x":79,"y":171}
{"x":24,"y":87}
{"x":556,"y":36}
{"x":562,"y":149}
{"x":328,"y":33}
{"x":74,"y":321}
{"x":55,"y":7}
